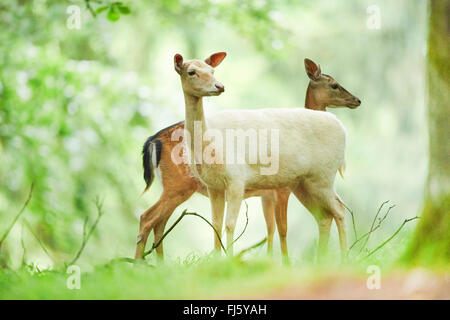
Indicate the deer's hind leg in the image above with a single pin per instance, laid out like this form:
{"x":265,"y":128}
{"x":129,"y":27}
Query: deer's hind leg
{"x":157,"y":215}
{"x":315,"y":200}
{"x":159,"y":232}
{"x":338,"y":212}
{"x":331,"y":206}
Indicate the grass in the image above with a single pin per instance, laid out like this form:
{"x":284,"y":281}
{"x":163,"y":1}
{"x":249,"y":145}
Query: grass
{"x":203,"y":278}
{"x":208,"y":277}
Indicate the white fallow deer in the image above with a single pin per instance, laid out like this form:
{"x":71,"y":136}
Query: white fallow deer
{"x":323,"y":91}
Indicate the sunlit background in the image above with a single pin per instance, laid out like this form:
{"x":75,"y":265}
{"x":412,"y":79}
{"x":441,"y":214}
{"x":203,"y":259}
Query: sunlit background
{"x":76,"y":106}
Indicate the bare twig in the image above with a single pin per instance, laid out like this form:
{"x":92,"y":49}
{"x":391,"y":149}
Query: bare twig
{"x":391,"y":237}
{"x":372,"y":226}
{"x":380,"y":221}
{"x":185,"y":213}
{"x":27,"y":224}
{"x":155,"y":245}
{"x":246,"y":224}
{"x":129,"y":260}
{"x":22,"y":242}
{"x":85,"y":226}
{"x":215,"y":231}
{"x":363,"y":237}
{"x":353,"y":218}
{"x":256,"y":245}
{"x":87,"y":235}
{"x":89,"y":7}
{"x":30,"y":194}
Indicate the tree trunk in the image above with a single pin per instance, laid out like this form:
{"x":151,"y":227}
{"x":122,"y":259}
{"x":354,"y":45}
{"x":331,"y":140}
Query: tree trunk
{"x":431,"y":243}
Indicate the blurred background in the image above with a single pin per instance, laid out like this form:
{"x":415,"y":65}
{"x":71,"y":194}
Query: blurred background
{"x":77,"y":104}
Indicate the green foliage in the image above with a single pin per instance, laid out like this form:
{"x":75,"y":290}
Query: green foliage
{"x":113,"y":9}
{"x":193,"y":278}
{"x":431,"y":243}
{"x":57,"y":123}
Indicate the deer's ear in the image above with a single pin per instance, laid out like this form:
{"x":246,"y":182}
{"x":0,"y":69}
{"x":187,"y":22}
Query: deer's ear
{"x":312,"y":69}
{"x":178,"y":62}
{"x":215,"y":59}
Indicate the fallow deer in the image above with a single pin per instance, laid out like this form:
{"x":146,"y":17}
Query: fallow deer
{"x":179,"y":184}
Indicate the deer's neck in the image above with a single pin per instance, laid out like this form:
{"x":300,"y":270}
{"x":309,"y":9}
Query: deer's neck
{"x":195,"y":123}
{"x":312,"y":102}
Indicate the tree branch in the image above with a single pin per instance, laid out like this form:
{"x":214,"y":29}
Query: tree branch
{"x":30,"y":194}
{"x":246,"y":224}
{"x":372,"y":226}
{"x":155,"y":245}
{"x":256,"y":245}
{"x":87,"y":235}
{"x":22,"y":242}
{"x":391,"y":237}
{"x":89,"y":7}
{"x":353,"y":218}
{"x":185,"y":213}
{"x":27,"y":224}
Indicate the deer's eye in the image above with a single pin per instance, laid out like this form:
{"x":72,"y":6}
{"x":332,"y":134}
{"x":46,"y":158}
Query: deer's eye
{"x":334,"y":86}
{"x":191,"y":73}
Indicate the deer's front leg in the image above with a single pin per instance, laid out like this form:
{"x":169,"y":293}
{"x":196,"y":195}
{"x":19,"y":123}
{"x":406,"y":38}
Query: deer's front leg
{"x":281,"y":207}
{"x":268,"y":204}
{"x":235,"y":194}
{"x":217,"y":198}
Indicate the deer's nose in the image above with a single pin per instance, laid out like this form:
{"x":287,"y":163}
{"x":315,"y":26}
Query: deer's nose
{"x":359,"y":101}
{"x":220,"y":87}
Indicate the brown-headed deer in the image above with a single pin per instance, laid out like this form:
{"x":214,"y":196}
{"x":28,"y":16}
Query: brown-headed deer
{"x":179,"y":184}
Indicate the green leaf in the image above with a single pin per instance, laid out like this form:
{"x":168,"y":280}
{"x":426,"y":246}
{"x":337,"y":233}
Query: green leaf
{"x":124,"y":9}
{"x":101,"y":9}
{"x":113,"y":15}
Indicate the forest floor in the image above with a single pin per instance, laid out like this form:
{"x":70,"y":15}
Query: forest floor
{"x":416,"y":284}
{"x":225,"y":278}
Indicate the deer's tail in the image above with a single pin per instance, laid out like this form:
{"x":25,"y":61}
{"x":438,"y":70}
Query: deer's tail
{"x":151,"y":155}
